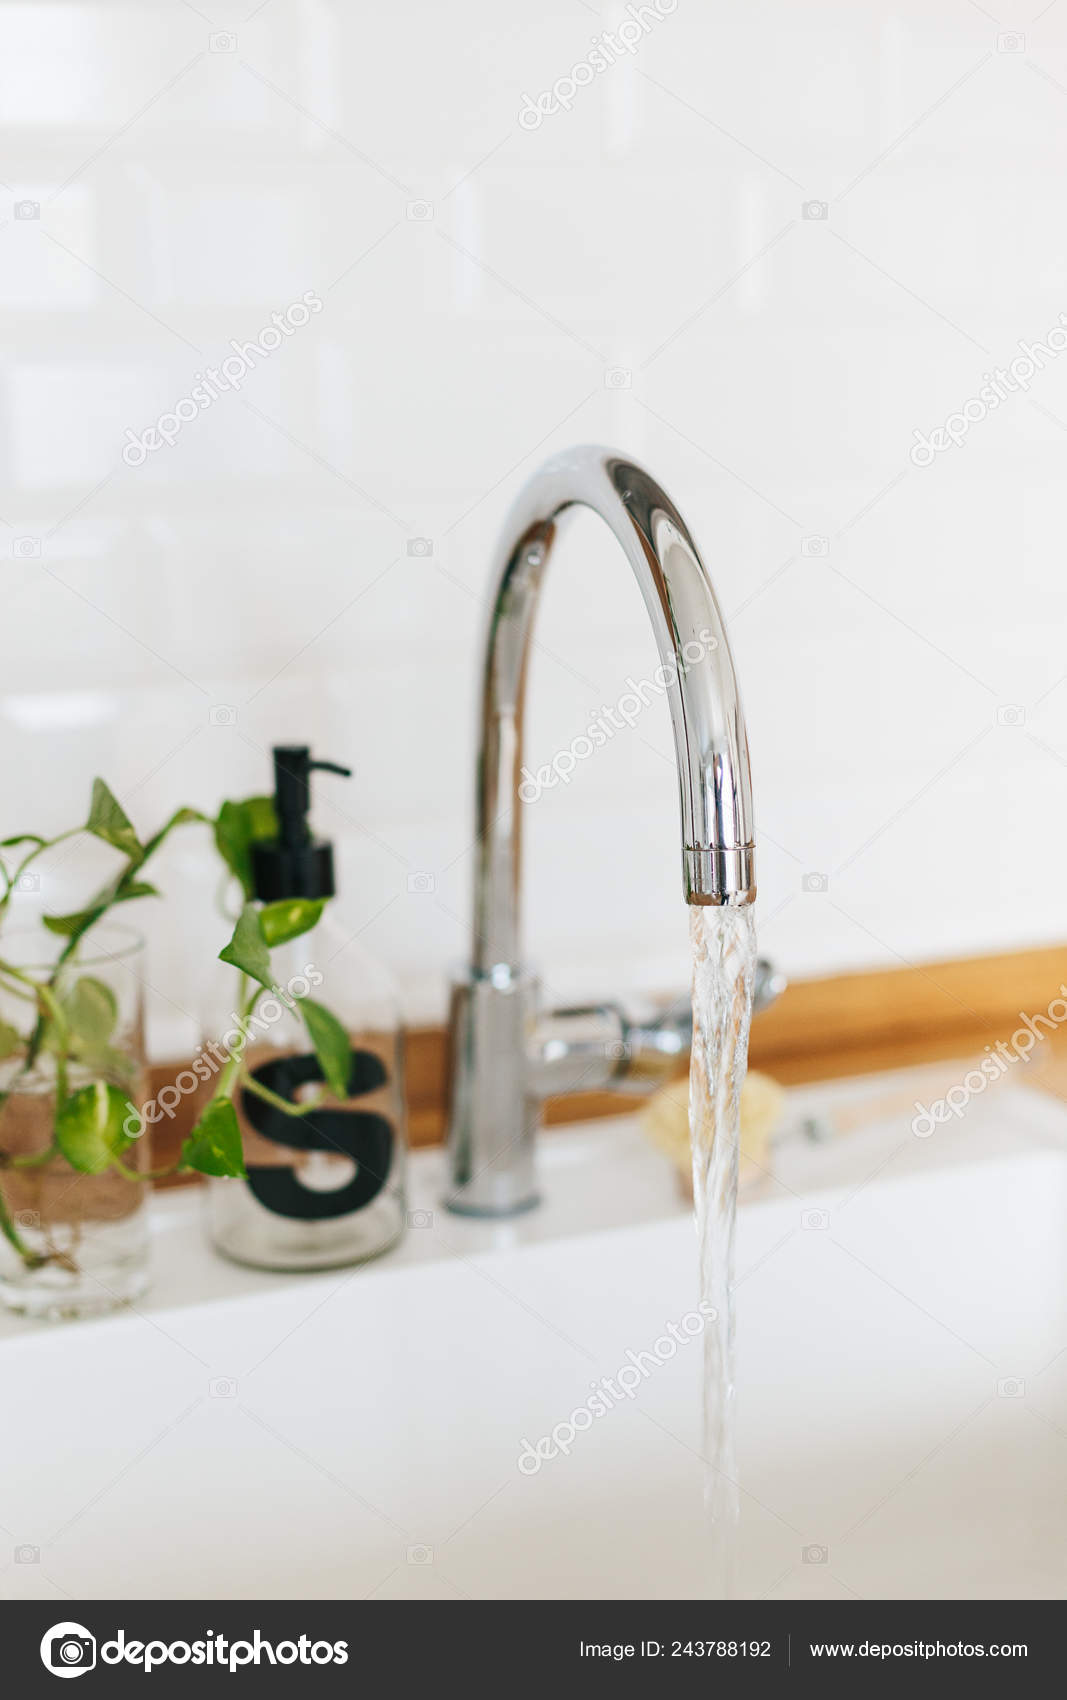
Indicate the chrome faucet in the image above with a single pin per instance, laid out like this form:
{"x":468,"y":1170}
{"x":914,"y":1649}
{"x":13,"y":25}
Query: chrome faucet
{"x":504,"y":1058}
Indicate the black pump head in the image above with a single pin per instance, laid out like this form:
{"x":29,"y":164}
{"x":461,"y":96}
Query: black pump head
{"x":294,"y":864}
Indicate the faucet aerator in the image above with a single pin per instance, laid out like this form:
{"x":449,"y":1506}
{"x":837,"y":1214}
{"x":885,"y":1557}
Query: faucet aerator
{"x":720,"y":876}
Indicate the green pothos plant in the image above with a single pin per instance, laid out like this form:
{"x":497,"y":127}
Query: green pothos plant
{"x":72,"y":1017}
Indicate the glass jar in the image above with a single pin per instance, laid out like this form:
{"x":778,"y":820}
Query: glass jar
{"x":324,"y":1189}
{"x":74,"y":1244}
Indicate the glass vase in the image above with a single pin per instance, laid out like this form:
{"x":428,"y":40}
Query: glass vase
{"x":73,"y":1244}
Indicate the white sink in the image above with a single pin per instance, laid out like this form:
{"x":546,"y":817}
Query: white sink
{"x":902,"y":1394}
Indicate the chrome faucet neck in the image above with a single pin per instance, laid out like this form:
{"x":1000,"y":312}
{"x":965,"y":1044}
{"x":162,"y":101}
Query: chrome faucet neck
{"x":491,"y":1153}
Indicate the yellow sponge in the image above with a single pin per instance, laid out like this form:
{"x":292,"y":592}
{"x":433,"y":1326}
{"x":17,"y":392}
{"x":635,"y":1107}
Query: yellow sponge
{"x":665,"y":1118}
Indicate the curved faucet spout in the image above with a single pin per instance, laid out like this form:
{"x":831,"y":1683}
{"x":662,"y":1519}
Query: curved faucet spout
{"x":492,"y":1114}
{"x":695,"y":667}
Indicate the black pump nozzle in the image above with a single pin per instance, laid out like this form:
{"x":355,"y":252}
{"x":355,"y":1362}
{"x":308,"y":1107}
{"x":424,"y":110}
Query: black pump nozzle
{"x":294,"y":864}
{"x":293,"y":768}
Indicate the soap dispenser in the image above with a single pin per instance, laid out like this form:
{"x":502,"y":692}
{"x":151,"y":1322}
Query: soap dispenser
{"x":324,"y":1189}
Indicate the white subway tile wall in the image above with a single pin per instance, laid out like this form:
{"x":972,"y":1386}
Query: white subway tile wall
{"x":760,"y":247}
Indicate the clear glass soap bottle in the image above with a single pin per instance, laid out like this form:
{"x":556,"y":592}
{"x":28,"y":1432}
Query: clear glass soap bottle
{"x":324,"y":1189}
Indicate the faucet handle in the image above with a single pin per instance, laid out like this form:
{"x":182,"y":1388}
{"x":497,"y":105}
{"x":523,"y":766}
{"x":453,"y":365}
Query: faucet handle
{"x":581,"y":1048}
{"x":768,"y":985}
{"x":607,"y":1047}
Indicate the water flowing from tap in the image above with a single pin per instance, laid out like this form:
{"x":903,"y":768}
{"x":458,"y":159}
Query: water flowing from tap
{"x":724,"y":966}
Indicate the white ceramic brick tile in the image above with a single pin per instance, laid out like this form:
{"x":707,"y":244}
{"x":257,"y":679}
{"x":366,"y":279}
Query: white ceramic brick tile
{"x":68,"y":67}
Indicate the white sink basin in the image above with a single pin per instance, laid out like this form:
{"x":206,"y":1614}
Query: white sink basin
{"x":902,"y":1396}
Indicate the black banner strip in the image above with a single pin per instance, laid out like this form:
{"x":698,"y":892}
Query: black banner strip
{"x":754,"y":1647}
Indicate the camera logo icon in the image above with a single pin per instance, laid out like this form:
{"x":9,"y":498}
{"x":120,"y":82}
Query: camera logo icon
{"x":815,"y":1221}
{"x":420,"y":1555}
{"x":420,"y":1218}
{"x":815,"y":882}
{"x":420,"y":547}
{"x":618,"y":378}
{"x":1011,"y":1387}
{"x":817,"y":210}
{"x":27,"y":209}
{"x":26,"y":1554}
{"x":223,"y":1387}
{"x":222,"y":715}
{"x":223,"y":41}
{"x":421,"y":884}
{"x":26,"y":548}
{"x":1011,"y":714}
{"x":1010,"y":41}
{"x":420,"y":211}
{"x":815,"y":546}
{"x":68,"y":1649}
{"x":28,"y":882}
{"x":815,"y":1555}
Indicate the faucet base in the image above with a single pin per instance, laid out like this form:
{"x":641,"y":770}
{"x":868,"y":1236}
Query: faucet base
{"x":489,"y":1213}
{"x":492,"y":1126}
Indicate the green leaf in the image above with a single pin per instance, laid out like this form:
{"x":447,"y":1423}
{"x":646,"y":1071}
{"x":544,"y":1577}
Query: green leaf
{"x":124,"y":889}
{"x":331,"y":1045}
{"x":136,"y":888}
{"x":91,"y":1011}
{"x":23,"y":838}
{"x":239,"y":826}
{"x":280,"y":922}
{"x":66,"y":925}
{"x":247,"y":950}
{"x":109,"y":821}
{"x":81,"y":919}
{"x":11,"y":1039}
{"x":214,"y":1146}
{"x":92,"y":1127}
